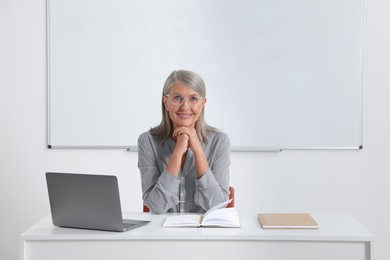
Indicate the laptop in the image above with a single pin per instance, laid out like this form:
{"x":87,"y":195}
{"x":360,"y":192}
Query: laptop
{"x":87,"y":201}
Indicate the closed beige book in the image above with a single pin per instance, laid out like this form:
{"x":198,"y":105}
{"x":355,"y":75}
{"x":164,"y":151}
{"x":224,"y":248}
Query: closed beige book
{"x":287,"y":220}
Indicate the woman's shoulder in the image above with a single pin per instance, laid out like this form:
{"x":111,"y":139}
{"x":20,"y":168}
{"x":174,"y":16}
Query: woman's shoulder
{"x":147,"y":136}
{"x":218,"y":136}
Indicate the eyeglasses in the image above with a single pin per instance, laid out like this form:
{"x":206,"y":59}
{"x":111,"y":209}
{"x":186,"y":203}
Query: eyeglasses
{"x":178,"y":100}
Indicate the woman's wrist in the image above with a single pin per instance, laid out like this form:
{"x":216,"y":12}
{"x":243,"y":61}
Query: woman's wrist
{"x":174,"y":164}
{"x":201,"y":164}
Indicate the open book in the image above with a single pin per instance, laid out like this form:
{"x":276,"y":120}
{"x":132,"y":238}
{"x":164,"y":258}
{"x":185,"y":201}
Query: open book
{"x":217,"y":216}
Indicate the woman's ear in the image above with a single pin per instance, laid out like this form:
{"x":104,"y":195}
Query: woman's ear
{"x":164,"y":100}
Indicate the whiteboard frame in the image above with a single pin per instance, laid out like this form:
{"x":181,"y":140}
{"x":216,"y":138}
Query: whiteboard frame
{"x":233,"y":148}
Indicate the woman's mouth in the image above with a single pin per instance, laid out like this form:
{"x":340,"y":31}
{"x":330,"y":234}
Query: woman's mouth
{"x":184,"y":115}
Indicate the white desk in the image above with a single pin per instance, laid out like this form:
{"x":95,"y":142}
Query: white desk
{"x":340,"y":236}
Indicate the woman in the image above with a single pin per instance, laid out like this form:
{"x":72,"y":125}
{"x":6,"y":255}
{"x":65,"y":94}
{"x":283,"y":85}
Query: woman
{"x":184,"y":163}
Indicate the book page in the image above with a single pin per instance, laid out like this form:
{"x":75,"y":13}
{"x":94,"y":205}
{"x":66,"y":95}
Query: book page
{"x":192,"y":220}
{"x":225,"y":217}
{"x":219,"y":206}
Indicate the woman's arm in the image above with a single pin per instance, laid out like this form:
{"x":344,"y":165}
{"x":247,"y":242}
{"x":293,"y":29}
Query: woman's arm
{"x":213,"y":187}
{"x":201,"y":163}
{"x":159,"y":189}
{"x":212,"y":184}
{"x":177,"y":156}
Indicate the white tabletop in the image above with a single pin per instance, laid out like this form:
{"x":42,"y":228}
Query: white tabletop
{"x":332,"y":227}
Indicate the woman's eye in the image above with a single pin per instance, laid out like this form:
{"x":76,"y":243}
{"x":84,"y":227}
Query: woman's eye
{"x":178,"y":98}
{"x":194,"y":98}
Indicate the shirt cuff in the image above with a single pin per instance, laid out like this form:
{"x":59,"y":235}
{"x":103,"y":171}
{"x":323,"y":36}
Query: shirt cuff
{"x":169,"y":182}
{"x":206,"y":181}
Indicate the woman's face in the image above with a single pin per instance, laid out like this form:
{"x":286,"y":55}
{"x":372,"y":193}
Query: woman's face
{"x":187,"y":112}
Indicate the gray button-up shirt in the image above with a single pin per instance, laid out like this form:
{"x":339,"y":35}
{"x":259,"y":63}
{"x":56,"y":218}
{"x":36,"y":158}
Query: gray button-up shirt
{"x":163,"y":192}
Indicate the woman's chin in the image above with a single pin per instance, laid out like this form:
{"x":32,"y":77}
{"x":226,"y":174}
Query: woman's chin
{"x":184,"y":124}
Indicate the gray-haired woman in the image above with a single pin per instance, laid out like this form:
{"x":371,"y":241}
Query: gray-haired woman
{"x":184,"y":162}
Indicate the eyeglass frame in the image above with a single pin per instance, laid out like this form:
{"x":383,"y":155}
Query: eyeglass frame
{"x":182,"y":102}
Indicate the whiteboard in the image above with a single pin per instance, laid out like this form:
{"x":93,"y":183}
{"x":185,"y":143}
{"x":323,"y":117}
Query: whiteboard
{"x":279,"y":74}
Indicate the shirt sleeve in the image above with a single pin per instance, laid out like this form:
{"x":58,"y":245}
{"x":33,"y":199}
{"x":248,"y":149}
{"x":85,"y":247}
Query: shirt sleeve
{"x":213,"y":187}
{"x":159,"y":189}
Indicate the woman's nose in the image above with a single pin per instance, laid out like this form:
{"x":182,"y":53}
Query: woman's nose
{"x":185,"y":101}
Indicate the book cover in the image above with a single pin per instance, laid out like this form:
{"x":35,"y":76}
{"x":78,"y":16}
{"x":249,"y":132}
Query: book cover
{"x":287,"y":220}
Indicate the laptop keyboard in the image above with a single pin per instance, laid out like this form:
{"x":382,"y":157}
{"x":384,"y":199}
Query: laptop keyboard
{"x":127,"y":225}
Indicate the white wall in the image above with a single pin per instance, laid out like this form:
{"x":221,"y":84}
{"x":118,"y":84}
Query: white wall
{"x":352,"y":181}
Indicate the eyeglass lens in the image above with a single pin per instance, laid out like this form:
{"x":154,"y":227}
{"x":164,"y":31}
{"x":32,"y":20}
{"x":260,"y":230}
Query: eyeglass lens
{"x":178,"y":100}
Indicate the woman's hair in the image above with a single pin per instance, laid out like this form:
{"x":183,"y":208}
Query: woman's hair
{"x":195,"y":82}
